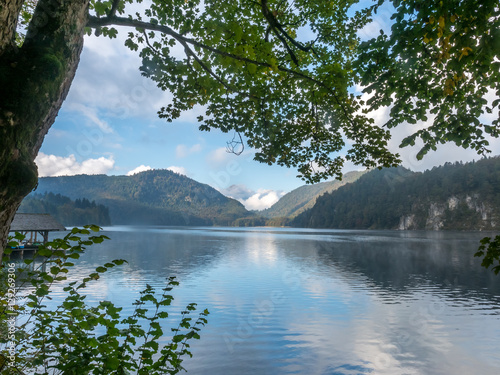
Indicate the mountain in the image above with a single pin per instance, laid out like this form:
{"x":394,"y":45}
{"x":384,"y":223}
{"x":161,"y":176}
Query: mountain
{"x":155,"y":197}
{"x":304,"y":197}
{"x":66,"y":211}
{"x":453,"y":196}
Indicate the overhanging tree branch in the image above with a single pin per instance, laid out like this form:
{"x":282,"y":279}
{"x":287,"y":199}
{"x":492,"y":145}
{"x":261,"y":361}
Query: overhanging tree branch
{"x":275,"y":27}
{"x":190,"y":52}
{"x":95,"y":22}
{"x":280,"y":32}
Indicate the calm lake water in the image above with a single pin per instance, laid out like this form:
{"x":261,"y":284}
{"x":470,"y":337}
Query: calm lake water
{"x":291,"y":301}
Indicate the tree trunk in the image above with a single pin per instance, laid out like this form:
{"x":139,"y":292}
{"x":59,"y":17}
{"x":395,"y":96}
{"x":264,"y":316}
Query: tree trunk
{"x":9,"y":12}
{"x":34,"y":81}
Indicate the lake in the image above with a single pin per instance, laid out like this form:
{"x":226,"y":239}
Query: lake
{"x":294,"y":301}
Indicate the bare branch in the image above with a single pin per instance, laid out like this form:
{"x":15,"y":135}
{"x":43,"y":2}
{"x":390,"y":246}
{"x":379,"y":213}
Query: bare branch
{"x":234,"y":143}
{"x":153,"y":49}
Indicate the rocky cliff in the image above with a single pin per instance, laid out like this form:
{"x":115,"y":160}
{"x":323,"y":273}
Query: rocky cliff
{"x":458,"y":212}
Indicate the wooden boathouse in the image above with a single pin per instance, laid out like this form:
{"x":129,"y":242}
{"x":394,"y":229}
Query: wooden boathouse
{"x":33,"y":225}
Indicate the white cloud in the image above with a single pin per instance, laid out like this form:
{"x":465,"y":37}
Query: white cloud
{"x":262,"y":199}
{"x":52,"y":165}
{"x":111,"y":89}
{"x":179,"y":170}
{"x":119,"y":89}
{"x":372,"y":29}
{"x":448,"y":152}
{"x":381,"y":21}
{"x":182,"y":151}
{"x":139,"y":169}
{"x":253,"y":200}
{"x":219,"y":156}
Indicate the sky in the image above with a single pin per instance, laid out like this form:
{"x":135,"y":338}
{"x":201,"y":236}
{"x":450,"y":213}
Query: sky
{"x":109,"y":125}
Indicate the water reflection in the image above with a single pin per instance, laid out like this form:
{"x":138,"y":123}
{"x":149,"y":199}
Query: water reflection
{"x":446,"y":265}
{"x":318,"y":302}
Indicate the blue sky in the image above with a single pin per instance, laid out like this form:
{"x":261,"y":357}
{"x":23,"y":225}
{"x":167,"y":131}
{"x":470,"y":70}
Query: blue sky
{"x":108,"y":124}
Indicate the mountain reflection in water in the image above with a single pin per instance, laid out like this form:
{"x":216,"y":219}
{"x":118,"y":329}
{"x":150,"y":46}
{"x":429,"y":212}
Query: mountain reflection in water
{"x":293,"y":301}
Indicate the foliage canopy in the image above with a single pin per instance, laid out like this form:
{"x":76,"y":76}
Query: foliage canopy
{"x":439,"y":63}
{"x":281,"y":73}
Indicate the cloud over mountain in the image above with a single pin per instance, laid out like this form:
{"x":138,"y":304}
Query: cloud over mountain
{"x":52,"y":165}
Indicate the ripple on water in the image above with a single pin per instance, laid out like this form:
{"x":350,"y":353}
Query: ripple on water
{"x":314,"y":302}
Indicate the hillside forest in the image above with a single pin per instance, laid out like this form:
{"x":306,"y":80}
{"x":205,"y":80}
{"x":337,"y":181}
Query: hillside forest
{"x":449,"y":197}
{"x":67,"y":211}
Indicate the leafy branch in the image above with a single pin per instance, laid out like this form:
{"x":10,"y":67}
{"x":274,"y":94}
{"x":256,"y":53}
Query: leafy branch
{"x":490,"y":251}
{"x":76,"y":338}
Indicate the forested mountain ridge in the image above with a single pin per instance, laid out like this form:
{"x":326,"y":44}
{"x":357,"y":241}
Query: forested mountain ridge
{"x":68,"y":212}
{"x":155,"y":197}
{"x":304,"y":197}
{"x":453,"y":196}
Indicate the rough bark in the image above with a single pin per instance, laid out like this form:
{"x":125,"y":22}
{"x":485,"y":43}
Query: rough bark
{"x":34,"y":81}
{"x":9,"y":13}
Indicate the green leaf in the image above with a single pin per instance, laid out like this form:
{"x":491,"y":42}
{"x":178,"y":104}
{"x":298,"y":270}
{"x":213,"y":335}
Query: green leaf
{"x":40,"y":292}
{"x":111,"y":363}
{"x":178,"y":338}
{"x":44,"y":252}
{"x":19,"y":236}
{"x":162,"y":315}
{"x":97,"y":239}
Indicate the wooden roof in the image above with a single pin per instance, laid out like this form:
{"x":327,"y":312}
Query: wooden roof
{"x":35,"y":222}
